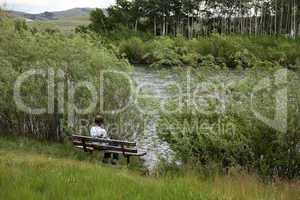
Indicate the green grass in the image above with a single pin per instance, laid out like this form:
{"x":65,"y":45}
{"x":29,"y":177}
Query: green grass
{"x":64,"y":24}
{"x":68,"y":24}
{"x":36,"y":170}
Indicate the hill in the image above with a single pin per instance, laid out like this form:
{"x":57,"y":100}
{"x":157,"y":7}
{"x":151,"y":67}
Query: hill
{"x":66,"y":20}
{"x":75,"y":12}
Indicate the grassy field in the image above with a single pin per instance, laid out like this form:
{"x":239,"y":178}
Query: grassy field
{"x":36,"y":170}
{"x":64,"y":24}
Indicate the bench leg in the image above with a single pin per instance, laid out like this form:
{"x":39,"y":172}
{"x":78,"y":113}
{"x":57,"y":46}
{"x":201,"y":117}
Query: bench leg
{"x":106,"y":157}
{"x":128,"y":160}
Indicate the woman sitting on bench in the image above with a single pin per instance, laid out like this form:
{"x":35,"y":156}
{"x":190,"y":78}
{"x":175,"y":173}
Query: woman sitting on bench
{"x":98,"y":131}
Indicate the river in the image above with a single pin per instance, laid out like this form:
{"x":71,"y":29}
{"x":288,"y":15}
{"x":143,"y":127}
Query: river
{"x":155,"y":83}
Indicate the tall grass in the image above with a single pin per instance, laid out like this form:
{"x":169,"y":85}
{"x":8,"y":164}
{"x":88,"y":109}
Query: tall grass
{"x":27,"y":172}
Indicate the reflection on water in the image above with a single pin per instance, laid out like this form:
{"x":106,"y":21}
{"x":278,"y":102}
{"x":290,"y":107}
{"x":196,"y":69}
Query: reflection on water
{"x":153,"y":83}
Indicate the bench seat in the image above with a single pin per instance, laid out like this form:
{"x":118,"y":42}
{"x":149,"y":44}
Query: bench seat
{"x":90,"y":144}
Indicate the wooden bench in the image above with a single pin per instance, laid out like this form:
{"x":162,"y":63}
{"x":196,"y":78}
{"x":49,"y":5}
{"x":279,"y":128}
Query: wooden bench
{"x":90,"y":144}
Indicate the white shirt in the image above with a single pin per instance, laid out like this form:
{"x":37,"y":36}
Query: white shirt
{"x":97,"y":131}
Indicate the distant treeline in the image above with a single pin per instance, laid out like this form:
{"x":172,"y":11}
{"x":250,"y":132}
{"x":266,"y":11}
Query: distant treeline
{"x":192,"y":18}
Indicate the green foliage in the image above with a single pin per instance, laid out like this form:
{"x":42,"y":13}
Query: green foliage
{"x":218,"y":46}
{"x":162,"y":53}
{"x":43,"y":170}
{"x":224,"y":51}
{"x":244,"y":59}
{"x":98,"y":21}
{"x":236,"y":136}
{"x":133,"y":49}
{"x":209,"y":62}
{"x":123,"y":33}
{"x":81,"y":57}
{"x":175,"y":17}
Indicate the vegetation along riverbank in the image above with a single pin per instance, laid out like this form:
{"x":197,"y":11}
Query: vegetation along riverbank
{"x":209,"y":89}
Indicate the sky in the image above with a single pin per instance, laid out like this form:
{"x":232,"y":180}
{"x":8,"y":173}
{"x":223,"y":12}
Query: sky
{"x":38,"y":6}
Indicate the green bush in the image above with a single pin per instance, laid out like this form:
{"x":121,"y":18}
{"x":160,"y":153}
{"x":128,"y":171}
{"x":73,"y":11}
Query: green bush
{"x":232,"y":51}
{"x":81,"y":57}
{"x":133,"y":49}
{"x":235,"y":137}
{"x":243,"y":59}
{"x":161,"y":53}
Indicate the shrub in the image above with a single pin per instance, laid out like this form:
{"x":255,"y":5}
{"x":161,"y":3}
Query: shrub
{"x":228,"y":51}
{"x":133,"y":49}
{"x":162,"y":53}
{"x":235,"y":136}
{"x":81,"y":57}
{"x":243,"y":59}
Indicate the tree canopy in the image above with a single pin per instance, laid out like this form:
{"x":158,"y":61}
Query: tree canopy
{"x":193,"y":18}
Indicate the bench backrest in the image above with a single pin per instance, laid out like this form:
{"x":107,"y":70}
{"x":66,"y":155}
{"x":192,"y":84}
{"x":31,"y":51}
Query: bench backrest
{"x":89,"y":144}
{"x":110,"y":142}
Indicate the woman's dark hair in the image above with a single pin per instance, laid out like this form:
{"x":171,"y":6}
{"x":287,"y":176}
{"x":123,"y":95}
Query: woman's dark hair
{"x":99,"y":120}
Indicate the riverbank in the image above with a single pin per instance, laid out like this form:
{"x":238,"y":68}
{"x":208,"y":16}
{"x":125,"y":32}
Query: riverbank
{"x":215,"y":52}
{"x":43,"y":170}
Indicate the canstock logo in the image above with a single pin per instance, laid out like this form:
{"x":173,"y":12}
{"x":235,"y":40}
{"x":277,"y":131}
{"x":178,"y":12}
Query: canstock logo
{"x":280,"y":79}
